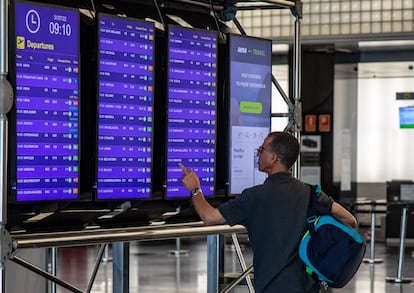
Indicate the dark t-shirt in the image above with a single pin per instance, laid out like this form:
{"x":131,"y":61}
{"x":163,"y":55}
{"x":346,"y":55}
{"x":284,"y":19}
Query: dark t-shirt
{"x":274,"y":215}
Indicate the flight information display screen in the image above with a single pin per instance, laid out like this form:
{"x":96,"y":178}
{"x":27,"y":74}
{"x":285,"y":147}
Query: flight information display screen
{"x":191,"y":127}
{"x":250,"y":98}
{"x":47,"y":109}
{"x":125,"y":108}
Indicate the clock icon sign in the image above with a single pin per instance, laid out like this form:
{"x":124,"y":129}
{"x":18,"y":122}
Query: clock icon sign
{"x":33,"y":21}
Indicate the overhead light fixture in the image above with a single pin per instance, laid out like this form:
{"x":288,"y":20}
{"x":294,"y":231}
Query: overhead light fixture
{"x":391,"y":43}
{"x":280,"y":48}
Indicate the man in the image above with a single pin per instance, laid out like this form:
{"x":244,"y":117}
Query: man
{"x":274,"y":215}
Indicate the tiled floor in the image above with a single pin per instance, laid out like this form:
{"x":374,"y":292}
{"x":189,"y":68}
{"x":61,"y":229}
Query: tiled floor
{"x":155,"y":268}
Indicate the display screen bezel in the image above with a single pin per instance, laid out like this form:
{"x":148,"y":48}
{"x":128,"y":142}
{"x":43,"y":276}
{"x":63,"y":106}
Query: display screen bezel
{"x":183,"y":192}
{"x":96,"y":186}
{"x":243,"y":44}
{"x":13,"y":166}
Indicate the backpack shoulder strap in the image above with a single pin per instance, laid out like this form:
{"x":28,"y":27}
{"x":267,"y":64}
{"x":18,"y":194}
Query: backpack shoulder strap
{"x":311,"y":214}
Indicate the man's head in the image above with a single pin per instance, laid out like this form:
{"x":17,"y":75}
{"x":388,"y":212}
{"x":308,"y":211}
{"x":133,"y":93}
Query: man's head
{"x":278,"y":153}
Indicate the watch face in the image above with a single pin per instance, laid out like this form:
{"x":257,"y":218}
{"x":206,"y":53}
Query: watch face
{"x":194,"y":191}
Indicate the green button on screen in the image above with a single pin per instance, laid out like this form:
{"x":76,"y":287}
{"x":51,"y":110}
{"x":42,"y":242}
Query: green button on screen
{"x":251,"y":107}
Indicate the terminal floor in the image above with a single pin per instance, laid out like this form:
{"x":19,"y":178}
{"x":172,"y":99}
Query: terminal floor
{"x":157,"y":267}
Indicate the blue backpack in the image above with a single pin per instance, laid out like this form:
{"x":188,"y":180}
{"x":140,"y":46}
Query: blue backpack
{"x":331,"y":251}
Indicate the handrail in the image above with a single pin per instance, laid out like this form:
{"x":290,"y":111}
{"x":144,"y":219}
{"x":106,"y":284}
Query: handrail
{"x":98,"y":236}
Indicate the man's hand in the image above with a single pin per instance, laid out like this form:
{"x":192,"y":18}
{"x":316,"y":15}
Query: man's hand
{"x":190,"y":179}
{"x":209,"y":214}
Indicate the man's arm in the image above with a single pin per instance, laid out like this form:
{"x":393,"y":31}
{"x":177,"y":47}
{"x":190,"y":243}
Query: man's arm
{"x":209,"y":214}
{"x":343,"y":215}
{"x":338,"y":211}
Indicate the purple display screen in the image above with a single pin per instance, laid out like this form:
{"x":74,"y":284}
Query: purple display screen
{"x":47,"y":111}
{"x":125,"y":108}
{"x":191,"y":108}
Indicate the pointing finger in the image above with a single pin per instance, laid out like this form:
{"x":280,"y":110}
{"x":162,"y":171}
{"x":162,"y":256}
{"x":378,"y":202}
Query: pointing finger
{"x":183,"y":168}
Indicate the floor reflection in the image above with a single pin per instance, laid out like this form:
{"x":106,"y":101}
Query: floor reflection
{"x":154,"y":268}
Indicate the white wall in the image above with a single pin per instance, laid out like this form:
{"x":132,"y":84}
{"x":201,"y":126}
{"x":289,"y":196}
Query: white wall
{"x":384,"y":151}
{"x":345,"y":120}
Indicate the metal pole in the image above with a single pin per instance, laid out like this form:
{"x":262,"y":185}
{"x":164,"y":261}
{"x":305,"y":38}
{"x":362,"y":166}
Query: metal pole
{"x":372,"y":258}
{"x":178,"y":251}
{"x":399,"y":278}
{"x":106,"y":254}
{"x":120,"y":267}
{"x":4,"y":37}
{"x":99,"y":236}
{"x":241,"y":260}
{"x":6,"y":102}
{"x":3,"y":199}
{"x":54,"y":254}
{"x":213,"y":247}
{"x":101,"y":252}
{"x":297,"y":89}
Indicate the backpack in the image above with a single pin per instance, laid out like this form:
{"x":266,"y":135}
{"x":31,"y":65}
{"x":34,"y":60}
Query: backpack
{"x":331,"y":251}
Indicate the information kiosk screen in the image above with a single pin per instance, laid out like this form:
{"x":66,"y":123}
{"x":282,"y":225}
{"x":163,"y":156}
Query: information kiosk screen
{"x":191,"y":106}
{"x":250,"y":98}
{"x":47,"y":109}
{"x":125,"y":108}
{"x":406,"y":115}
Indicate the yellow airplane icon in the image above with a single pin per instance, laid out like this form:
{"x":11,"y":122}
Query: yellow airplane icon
{"x":20,"y":42}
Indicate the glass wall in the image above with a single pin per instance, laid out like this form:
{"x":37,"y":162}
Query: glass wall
{"x":333,"y":18}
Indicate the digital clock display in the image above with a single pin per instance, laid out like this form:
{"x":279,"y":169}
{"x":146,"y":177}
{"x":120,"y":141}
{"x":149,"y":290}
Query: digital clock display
{"x":47,"y":104}
{"x":57,"y":28}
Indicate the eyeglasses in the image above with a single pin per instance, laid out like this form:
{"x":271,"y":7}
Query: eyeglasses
{"x":260,"y":150}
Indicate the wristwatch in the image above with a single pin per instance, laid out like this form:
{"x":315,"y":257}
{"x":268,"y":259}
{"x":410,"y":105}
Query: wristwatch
{"x":195,"y":191}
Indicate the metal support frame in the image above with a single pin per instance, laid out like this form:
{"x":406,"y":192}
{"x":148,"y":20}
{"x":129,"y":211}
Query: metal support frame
{"x":233,"y":284}
{"x":101,"y":253}
{"x":6,"y":102}
{"x":297,"y":63}
{"x":295,"y":107}
{"x":44,"y":274}
{"x":79,"y":238}
{"x":213,"y":245}
{"x":242,"y":261}
{"x":52,"y":276}
{"x":121,"y":249}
